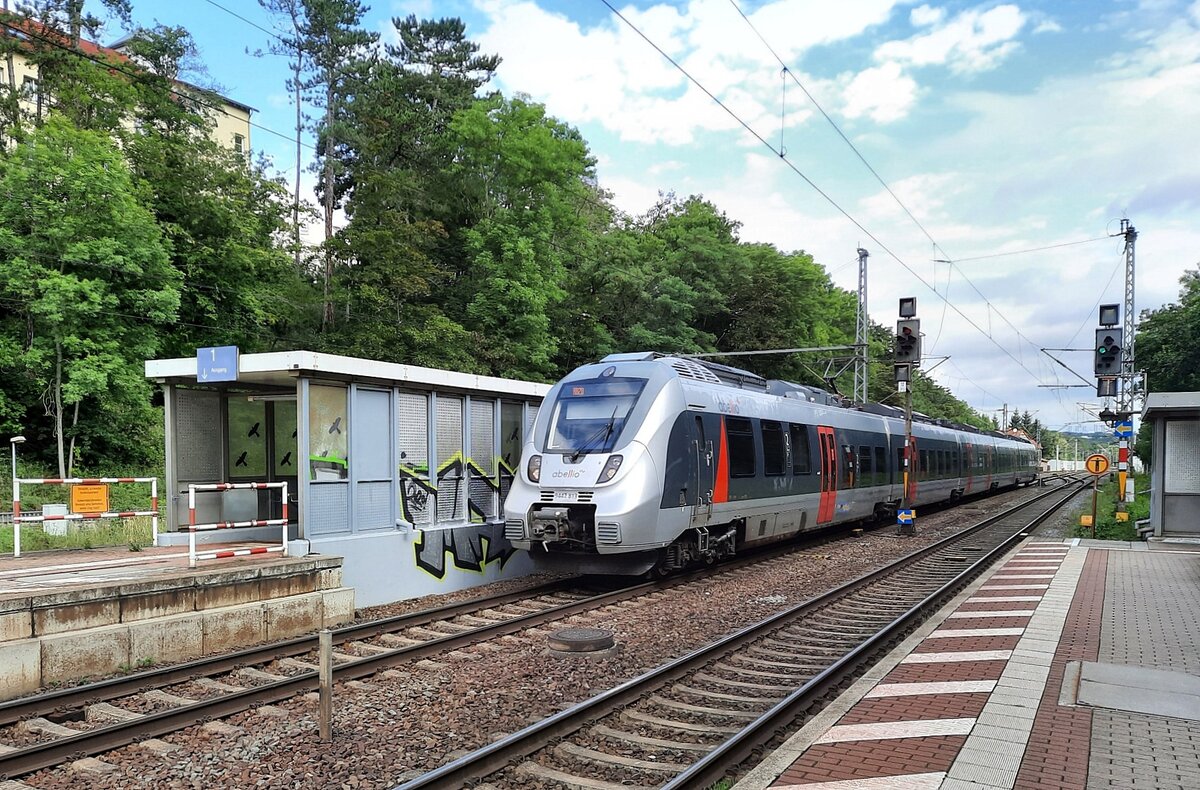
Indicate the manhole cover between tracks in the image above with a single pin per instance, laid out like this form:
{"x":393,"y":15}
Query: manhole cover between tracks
{"x":581,"y":640}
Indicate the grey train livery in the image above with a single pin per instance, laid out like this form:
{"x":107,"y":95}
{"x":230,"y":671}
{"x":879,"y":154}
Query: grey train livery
{"x":647,"y":462}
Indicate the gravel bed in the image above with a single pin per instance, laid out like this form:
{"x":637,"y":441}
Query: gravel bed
{"x":418,"y":716}
{"x":411,"y":605}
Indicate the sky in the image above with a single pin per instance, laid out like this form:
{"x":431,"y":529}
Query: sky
{"x":984,"y":154}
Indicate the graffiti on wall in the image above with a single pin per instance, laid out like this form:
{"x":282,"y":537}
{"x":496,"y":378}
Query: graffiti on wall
{"x":470,"y":548}
{"x":417,"y":493}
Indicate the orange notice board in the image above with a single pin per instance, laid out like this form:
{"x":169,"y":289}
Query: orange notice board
{"x":89,"y":498}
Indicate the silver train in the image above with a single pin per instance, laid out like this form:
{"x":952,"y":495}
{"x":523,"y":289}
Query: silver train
{"x":646,"y":462}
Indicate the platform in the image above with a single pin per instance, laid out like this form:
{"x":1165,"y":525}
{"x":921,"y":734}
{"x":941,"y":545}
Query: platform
{"x":67,"y":615}
{"x":1070,"y":665}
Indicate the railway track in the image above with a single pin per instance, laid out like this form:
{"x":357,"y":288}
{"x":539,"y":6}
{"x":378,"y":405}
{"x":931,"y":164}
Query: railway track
{"x":688,"y":723}
{"x":52,"y":728}
{"x":49,"y":729}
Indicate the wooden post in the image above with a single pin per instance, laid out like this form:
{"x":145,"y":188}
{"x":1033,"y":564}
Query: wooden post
{"x":325,"y":641}
{"x":1095,"y":493}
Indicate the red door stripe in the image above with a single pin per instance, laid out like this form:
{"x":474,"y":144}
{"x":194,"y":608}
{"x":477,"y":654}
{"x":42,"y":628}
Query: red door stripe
{"x":721,"y":484}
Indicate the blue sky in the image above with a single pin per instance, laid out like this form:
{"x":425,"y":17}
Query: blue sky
{"x":1001,"y":127}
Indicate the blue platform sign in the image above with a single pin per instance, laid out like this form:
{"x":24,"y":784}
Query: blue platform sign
{"x":219,"y":363}
{"x":1123,"y":430}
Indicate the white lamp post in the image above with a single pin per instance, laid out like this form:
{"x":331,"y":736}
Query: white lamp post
{"x":13,"y":442}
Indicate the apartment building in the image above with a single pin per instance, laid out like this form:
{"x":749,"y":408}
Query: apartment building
{"x":230,"y":119}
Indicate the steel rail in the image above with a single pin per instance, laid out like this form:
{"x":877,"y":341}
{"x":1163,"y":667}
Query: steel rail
{"x":101,"y":739}
{"x":499,"y":754}
{"x":113,"y":688}
{"x":713,"y":766}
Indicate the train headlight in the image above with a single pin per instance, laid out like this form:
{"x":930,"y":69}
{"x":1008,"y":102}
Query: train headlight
{"x":610,"y":469}
{"x":534,"y":468}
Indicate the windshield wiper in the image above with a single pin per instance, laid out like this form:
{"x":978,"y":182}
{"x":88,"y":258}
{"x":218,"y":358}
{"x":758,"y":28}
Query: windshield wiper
{"x":597,"y":438}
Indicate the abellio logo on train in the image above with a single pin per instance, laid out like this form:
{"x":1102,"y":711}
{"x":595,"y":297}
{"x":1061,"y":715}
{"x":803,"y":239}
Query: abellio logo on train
{"x":567,"y":473}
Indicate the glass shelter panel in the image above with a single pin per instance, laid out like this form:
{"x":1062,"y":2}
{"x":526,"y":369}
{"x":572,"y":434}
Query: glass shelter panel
{"x":412,"y":426}
{"x":482,"y":462}
{"x":511,"y":439}
{"x":328,"y":434}
{"x":451,"y":480}
{"x":247,"y":439}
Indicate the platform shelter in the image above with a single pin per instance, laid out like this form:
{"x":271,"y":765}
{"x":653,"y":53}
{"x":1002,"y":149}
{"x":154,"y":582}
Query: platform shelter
{"x":1174,"y":463}
{"x":400,"y":469}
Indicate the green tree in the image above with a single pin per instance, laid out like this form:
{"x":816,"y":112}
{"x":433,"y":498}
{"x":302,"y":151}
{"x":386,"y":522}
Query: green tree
{"x":86,"y":278}
{"x":1168,"y":340}
{"x":331,"y":37}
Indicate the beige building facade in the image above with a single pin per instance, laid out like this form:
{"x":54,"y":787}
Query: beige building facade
{"x":231,"y":120}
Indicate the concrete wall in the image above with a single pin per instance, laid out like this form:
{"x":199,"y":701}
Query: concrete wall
{"x":398,"y":565}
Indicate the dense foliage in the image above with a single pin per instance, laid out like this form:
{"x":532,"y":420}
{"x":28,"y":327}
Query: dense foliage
{"x":476,"y":235}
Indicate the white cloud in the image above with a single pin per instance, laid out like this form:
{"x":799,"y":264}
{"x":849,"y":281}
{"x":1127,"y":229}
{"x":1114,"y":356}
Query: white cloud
{"x":607,"y":74}
{"x":926,"y":16}
{"x":882,"y":93}
{"x":972,"y":41}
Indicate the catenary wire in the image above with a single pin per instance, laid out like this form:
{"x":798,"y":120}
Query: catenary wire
{"x":812,"y":184}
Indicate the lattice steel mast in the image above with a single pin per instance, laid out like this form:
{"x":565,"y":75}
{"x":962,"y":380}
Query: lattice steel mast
{"x":862,"y":328}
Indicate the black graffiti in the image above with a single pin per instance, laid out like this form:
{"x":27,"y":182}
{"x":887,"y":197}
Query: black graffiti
{"x":471,"y":548}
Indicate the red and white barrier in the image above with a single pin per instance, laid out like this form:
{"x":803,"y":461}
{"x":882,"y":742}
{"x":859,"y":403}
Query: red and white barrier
{"x":192,"y":527}
{"x":18,"y":519}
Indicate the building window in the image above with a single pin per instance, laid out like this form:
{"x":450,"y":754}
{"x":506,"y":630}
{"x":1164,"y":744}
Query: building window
{"x":239,"y":144}
{"x":29,"y":87}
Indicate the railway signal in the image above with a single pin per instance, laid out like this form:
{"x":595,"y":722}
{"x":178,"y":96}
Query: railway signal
{"x":908,"y":340}
{"x":1108,"y":351}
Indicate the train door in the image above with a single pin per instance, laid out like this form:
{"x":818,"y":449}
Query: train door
{"x":828,"y":474}
{"x":702,"y":446}
{"x":968,"y":466}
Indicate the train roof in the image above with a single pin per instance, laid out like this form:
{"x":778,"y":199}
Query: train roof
{"x":725,"y":375}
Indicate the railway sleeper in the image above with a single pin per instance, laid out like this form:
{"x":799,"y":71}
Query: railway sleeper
{"x":639,"y":717}
{"x":608,"y":733}
{"x":702,"y":710}
{"x":758,"y":673}
{"x":586,"y":755}
{"x":709,"y":678}
{"x":717,"y":695}
{"x":542,"y":774}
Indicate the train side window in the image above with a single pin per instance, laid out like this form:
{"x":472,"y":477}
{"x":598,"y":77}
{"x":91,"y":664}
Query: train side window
{"x":849,"y":467}
{"x":740,"y":434}
{"x":774,"y":451}
{"x":943,"y":465}
{"x":801,"y":463}
{"x":881,"y":469}
{"x":955,"y":468}
{"x":866,"y":470}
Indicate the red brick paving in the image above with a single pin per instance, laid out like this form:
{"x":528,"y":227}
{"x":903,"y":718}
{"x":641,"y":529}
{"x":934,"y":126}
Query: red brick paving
{"x":942,"y":672}
{"x":998,"y":606}
{"x":919,"y":707}
{"x":966,"y":643}
{"x":956,"y":623}
{"x":829,"y":762}
{"x":1057,"y":755}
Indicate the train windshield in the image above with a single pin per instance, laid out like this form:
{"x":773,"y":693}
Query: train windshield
{"x":589,"y":415}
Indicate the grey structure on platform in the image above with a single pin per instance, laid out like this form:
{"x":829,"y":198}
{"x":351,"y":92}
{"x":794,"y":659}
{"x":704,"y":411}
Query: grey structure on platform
{"x":400,"y":469}
{"x":1174,"y":463}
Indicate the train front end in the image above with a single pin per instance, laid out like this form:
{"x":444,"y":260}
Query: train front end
{"x":588,"y":491}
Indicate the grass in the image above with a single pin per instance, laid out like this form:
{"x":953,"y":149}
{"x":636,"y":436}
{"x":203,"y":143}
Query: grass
{"x":1107,"y":526}
{"x":132,"y":532}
